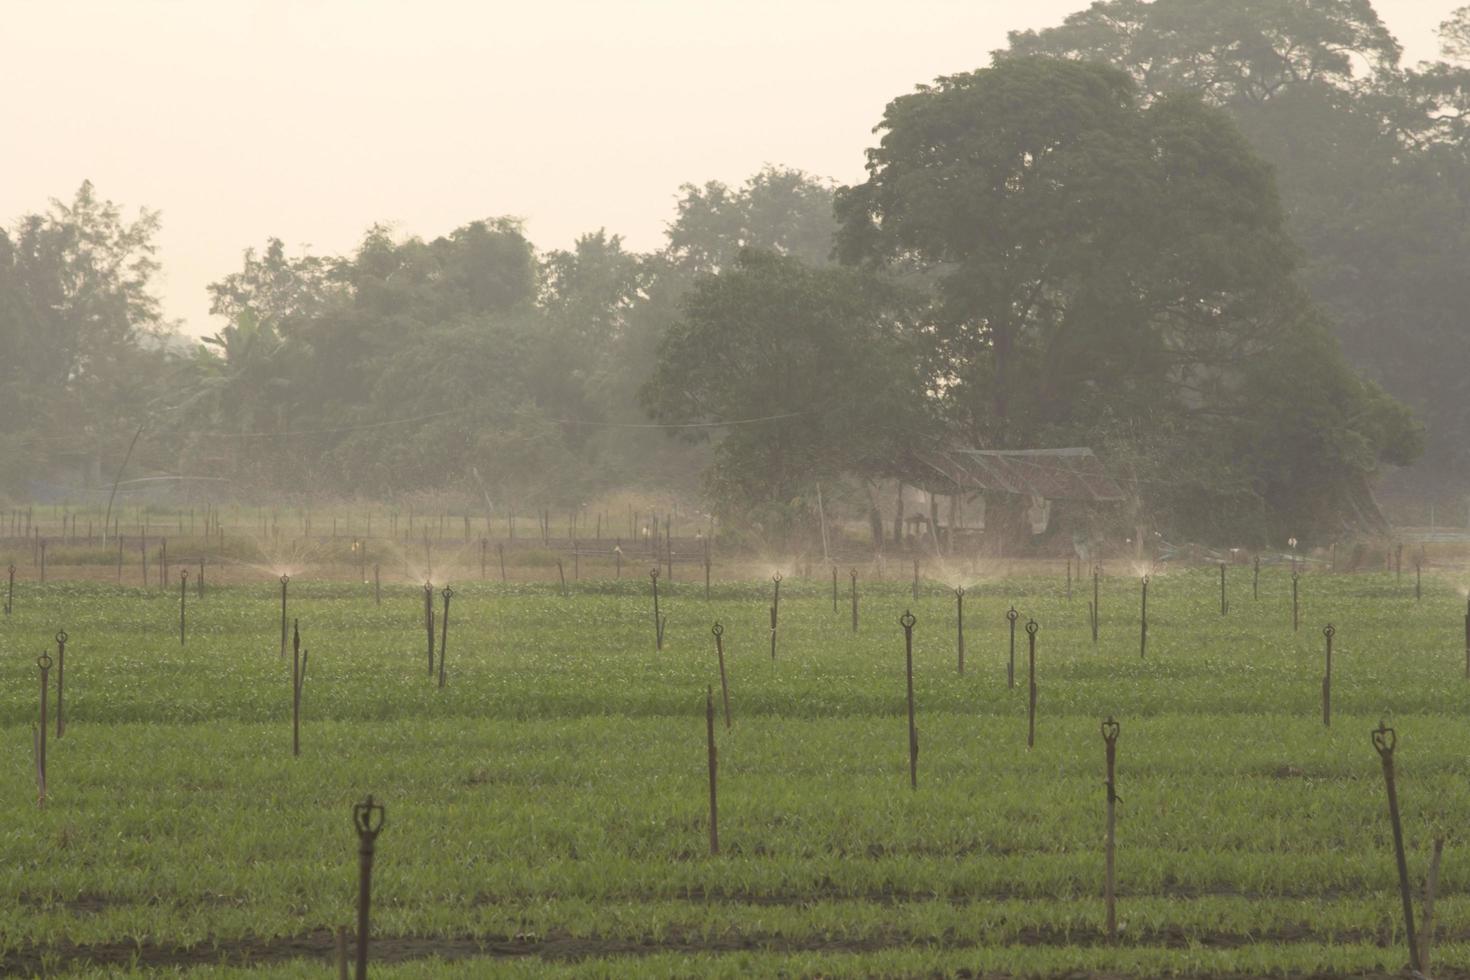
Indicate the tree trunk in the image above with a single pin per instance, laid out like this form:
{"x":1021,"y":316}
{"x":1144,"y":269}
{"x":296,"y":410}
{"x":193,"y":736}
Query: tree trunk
{"x":898,"y":519}
{"x":1002,"y":348}
{"x":934,"y":522}
{"x":875,"y":515}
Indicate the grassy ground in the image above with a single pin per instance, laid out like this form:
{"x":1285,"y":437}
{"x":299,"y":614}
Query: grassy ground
{"x":547,"y":810}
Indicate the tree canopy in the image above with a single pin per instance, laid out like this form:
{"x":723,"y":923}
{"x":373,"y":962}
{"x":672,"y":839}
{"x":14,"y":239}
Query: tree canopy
{"x":1174,"y":230}
{"x":1370,"y":157}
{"x":1110,"y":270}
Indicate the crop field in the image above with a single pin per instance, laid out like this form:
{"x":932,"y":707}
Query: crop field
{"x":547,"y":810}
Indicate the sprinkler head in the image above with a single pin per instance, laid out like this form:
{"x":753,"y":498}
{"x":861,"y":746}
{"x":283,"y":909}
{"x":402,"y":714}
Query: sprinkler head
{"x":367,"y":816}
{"x":1384,"y":738}
{"x":448,"y":593}
{"x":61,"y":638}
{"x":285,"y":579}
{"x":1110,"y":730}
{"x":44,"y":661}
{"x":907,"y":620}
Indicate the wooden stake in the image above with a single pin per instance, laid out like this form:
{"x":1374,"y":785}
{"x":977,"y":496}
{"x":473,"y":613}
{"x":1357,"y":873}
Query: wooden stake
{"x":1110,"y":740}
{"x":719,"y":633}
{"x":907,"y":621}
{"x":714,"y":806}
{"x":1431,"y":887}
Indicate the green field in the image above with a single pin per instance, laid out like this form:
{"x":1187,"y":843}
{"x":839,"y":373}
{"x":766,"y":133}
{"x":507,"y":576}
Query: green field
{"x":547,"y":810}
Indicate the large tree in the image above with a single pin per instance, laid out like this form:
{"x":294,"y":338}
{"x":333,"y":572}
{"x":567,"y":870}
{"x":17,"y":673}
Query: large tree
{"x":778,"y":209}
{"x":804,"y":375}
{"x":1370,"y":158}
{"x":80,"y":333}
{"x":1101,"y":265}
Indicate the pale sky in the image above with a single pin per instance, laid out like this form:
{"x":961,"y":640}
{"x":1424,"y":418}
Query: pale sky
{"x":309,"y":120}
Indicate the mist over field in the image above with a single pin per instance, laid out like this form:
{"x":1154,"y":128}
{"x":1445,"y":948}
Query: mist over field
{"x":1221,"y":245}
{"x":650,"y":489}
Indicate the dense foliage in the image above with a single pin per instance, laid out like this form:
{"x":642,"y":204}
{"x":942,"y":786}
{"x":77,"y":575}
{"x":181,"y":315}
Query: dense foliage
{"x":471,"y":364}
{"x":1118,"y":274}
{"x":1372,"y":158}
{"x":1184,"y":259}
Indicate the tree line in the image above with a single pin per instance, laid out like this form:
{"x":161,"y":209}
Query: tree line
{"x":1225,"y":245}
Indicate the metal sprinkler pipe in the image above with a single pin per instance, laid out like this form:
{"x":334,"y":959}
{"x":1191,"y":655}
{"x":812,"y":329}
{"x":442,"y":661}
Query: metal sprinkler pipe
{"x":1328,"y":632}
{"x":718,"y":631}
{"x":1011,"y":617}
{"x":658,"y":620}
{"x":183,"y":601}
{"x":1384,"y":740}
{"x":1096,"y":601}
{"x":775,"y":610}
{"x":959,"y":611}
{"x":43,"y":662}
{"x":448,"y":594}
{"x":907,"y":621}
{"x":714,"y":768}
{"x":1143,"y":621}
{"x":1110,"y":742}
{"x":285,"y":581}
{"x":429,"y":621}
{"x":367,"y":817}
{"x":61,"y":639}
{"x":1031,"y":628}
{"x":1295,"y":617}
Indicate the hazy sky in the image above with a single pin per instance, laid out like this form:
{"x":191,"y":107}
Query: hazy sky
{"x":311,"y":119}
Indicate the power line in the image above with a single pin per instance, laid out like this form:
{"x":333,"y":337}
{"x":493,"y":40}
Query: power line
{"x":680,"y":425}
{"x":329,"y":431}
